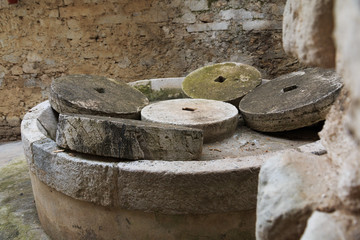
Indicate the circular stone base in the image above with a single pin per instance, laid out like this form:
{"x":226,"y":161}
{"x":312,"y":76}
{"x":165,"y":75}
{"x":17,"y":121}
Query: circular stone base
{"x":81,"y":196}
{"x":217,"y":119}
{"x":63,"y":217}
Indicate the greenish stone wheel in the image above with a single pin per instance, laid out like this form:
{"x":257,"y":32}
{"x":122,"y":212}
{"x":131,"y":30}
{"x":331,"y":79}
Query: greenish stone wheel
{"x":227,"y":82}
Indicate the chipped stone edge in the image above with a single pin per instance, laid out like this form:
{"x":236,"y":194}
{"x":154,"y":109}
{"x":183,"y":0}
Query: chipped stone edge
{"x":157,"y":84}
{"x":153,"y":186}
{"x":31,"y":130}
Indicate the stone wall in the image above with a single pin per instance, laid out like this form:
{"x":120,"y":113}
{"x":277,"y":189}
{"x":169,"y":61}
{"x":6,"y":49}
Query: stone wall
{"x":129,"y":40}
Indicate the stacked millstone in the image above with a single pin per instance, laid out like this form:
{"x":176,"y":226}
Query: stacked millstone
{"x":218,"y":120}
{"x":215,"y":91}
{"x":100,"y":116}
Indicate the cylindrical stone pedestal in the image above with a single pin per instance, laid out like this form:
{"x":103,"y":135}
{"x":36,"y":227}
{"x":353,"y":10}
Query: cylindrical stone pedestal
{"x":81,"y":196}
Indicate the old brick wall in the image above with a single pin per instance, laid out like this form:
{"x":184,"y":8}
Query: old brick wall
{"x":129,"y":40}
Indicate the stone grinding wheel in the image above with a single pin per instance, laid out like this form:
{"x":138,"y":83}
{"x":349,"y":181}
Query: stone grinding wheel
{"x":217,"y":119}
{"x":227,"y":82}
{"x":291,"y":101}
{"x":96,"y":95}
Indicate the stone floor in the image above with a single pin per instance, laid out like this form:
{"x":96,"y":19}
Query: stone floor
{"x":18,"y":217}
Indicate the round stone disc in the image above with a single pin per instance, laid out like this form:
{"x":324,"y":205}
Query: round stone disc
{"x":96,"y":95}
{"x":218,"y":120}
{"x":291,"y":101}
{"x":223,"y":81}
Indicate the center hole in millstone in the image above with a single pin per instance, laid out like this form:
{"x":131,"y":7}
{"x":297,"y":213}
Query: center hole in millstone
{"x":188,"y":109}
{"x":288,"y":89}
{"x":220,"y":79}
{"x":100,"y":90}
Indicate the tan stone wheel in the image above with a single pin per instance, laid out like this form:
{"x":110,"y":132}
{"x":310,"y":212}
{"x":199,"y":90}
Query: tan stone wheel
{"x":217,"y":119}
{"x":227,"y":82}
{"x":291,"y":101}
{"x":96,"y":95}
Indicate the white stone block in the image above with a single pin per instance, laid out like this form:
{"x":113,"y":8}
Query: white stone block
{"x":202,"y":27}
{"x":262,"y":25}
{"x":166,"y":83}
{"x":239,"y":14}
{"x":197,"y":5}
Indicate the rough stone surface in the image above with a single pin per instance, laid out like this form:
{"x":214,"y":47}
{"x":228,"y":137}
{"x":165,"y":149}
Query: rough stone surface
{"x":48,"y":120}
{"x":307,"y":31}
{"x":218,"y":120}
{"x":31,"y":131}
{"x":129,"y":40}
{"x":291,"y":186}
{"x":158,"y":89}
{"x":344,"y":152}
{"x":347,"y":38}
{"x":291,"y":101}
{"x":128,"y":139}
{"x":341,"y":131}
{"x":64,"y":217}
{"x":95,"y":95}
{"x":223,"y":82}
{"x":332,"y":226}
{"x":147,"y":185}
{"x":73,"y":176}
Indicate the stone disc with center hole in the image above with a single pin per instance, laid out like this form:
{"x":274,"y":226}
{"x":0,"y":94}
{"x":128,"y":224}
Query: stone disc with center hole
{"x":223,"y":81}
{"x":218,"y":120}
{"x":291,"y":101}
{"x":96,"y":95}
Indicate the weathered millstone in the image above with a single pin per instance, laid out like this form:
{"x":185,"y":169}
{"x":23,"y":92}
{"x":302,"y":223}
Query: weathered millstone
{"x":291,"y":101}
{"x":308,"y":29}
{"x":227,"y":82}
{"x":96,"y":95}
{"x":217,"y":119}
{"x":291,"y":186}
{"x":128,"y":139}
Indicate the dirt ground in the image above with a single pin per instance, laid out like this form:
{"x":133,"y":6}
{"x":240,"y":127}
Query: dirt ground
{"x":18,"y":217}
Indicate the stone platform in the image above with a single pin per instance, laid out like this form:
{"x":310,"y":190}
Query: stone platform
{"x":84,"y":196}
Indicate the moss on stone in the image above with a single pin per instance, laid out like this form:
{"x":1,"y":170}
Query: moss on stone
{"x":223,"y":82}
{"x":12,"y":227}
{"x":163,"y":94}
{"x":18,"y":219}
